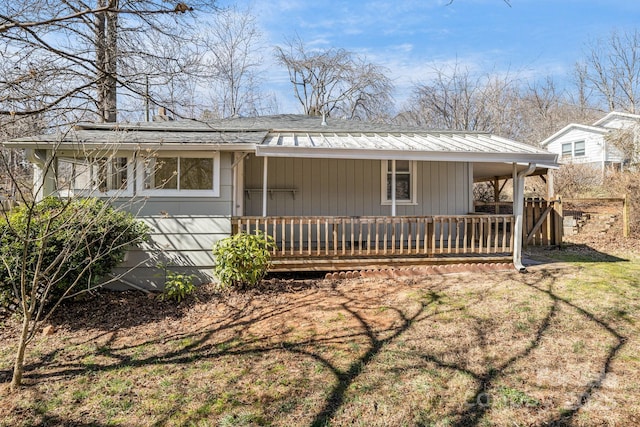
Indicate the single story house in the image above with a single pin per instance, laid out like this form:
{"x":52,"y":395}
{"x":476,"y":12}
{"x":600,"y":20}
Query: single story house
{"x":334,"y":194}
{"x":586,"y":144}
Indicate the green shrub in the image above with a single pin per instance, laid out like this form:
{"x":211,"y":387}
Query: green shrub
{"x":63,"y":245}
{"x":243,"y":259}
{"x":178,"y":286}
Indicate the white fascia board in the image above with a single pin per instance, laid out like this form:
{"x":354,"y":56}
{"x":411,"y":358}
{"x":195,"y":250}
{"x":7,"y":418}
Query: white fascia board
{"x":616,"y":114}
{"x":572,"y":126}
{"x":56,"y":145}
{"x":440,"y":156}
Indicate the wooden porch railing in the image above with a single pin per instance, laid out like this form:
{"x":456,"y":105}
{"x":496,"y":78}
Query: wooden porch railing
{"x":329,"y":236}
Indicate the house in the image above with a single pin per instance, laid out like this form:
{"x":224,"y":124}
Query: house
{"x":334,"y":194}
{"x":587,"y":144}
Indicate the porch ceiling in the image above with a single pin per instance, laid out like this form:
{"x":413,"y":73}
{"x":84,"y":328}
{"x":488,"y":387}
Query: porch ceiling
{"x":488,"y":171}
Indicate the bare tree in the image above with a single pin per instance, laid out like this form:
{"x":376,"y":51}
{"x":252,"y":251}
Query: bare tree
{"x":611,"y":71}
{"x":627,"y":142}
{"x":544,"y":109}
{"x":81,"y":55}
{"x":233,"y":44}
{"x":336,"y":82}
{"x":457,"y":99}
{"x":54,"y":249}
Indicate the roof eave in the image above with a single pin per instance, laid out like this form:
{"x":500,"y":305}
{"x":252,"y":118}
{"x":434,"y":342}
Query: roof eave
{"x":50,"y":145}
{"x":569,"y":127}
{"x":440,"y":156}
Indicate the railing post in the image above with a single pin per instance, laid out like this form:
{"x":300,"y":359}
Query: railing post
{"x":625,"y":216}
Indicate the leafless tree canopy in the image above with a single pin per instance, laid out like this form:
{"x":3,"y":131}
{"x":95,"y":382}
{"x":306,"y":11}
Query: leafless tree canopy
{"x":336,"y":82}
{"x":627,"y":141}
{"x":456,"y":98}
{"x":58,"y":56}
{"x":611,"y":71}
{"x":233,"y":43}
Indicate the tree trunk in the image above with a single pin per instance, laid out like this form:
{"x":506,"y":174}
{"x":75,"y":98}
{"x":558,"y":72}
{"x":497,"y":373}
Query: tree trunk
{"x":106,"y":33}
{"x":111,"y":65}
{"x":18,"y":366}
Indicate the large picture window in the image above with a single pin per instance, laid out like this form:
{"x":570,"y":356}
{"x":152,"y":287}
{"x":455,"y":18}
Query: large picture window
{"x":405,"y":182}
{"x":96,"y":176}
{"x":181,"y":174}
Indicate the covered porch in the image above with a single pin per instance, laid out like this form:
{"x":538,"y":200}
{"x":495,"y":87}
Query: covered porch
{"x":337,"y":199}
{"x":327,"y":243}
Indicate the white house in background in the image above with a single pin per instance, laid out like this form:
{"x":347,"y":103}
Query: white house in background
{"x":586,"y":144}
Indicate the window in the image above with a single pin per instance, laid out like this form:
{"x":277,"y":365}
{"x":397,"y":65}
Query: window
{"x":405,"y":182}
{"x":573,"y":149}
{"x":184,"y":174}
{"x":93,"y":175}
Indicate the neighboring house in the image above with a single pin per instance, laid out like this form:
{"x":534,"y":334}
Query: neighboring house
{"x":584,"y":144}
{"x":324,"y":190}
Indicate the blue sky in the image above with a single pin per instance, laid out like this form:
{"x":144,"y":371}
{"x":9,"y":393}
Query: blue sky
{"x":531,"y":39}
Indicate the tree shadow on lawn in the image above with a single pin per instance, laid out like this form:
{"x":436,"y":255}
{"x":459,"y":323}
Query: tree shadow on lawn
{"x":224,"y":336}
{"x":571,"y":252}
{"x":482,"y":401}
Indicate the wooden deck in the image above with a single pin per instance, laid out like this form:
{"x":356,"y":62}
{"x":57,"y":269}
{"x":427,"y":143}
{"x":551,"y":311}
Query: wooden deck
{"x":342,"y":243}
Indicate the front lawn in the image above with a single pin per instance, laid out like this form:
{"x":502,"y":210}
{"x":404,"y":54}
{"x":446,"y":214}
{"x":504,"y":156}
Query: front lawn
{"x":557,"y":345}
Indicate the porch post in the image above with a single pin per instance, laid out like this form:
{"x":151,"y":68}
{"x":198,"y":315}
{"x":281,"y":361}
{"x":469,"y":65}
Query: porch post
{"x":393,"y":187}
{"x":43,"y":177}
{"x":264,"y":186}
{"x":518,"y":208}
{"x":238,"y":184}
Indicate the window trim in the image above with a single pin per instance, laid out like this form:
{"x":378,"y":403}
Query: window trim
{"x":161,"y":192}
{"x":95,"y":191}
{"x":384,"y":169}
{"x":572,"y":153}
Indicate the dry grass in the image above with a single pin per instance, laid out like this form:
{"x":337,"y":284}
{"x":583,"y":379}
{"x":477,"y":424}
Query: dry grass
{"x":557,"y":345}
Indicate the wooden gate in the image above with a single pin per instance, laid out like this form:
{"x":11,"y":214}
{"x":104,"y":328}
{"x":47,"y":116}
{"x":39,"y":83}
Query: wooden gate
{"x":542,"y":222}
{"x":542,"y":219}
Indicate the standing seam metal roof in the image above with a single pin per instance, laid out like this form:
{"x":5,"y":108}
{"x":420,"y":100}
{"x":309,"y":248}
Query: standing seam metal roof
{"x":292,"y":131}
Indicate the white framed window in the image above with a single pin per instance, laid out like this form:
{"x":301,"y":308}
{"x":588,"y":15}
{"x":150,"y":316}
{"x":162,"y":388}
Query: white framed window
{"x":405,"y":182}
{"x":180,"y":174}
{"x":573,"y":149}
{"x":94,"y":176}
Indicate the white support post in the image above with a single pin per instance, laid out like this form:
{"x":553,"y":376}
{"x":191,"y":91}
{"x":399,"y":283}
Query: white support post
{"x":43,"y":177}
{"x":393,"y":187}
{"x":238,"y":183}
{"x":264,"y":186}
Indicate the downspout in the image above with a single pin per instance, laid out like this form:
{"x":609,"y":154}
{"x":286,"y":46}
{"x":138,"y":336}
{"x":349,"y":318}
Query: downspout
{"x":518,"y":207}
{"x":36,"y":156}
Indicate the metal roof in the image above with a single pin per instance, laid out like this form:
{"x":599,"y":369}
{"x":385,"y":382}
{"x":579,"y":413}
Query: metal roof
{"x":301,"y":136}
{"x":411,"y":141}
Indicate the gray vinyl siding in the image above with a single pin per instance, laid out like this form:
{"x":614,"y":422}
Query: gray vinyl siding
{"x":184,"y":230}
{"x":352,"y":188}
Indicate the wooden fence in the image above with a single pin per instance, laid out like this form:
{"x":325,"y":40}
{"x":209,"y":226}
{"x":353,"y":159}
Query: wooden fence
{"x":541,"y":223}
